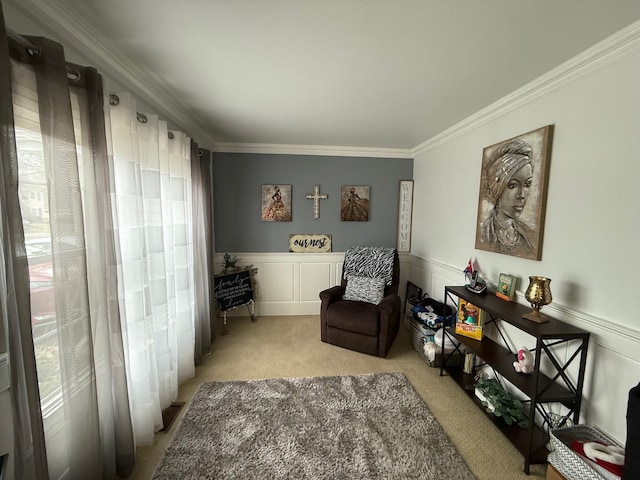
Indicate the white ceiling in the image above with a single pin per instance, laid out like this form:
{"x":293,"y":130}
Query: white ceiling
{"x":379,"y":74}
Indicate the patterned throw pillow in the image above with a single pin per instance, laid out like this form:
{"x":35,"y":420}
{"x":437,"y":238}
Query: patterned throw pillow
{"x":364,"y":289}
{"x":369,"y":262}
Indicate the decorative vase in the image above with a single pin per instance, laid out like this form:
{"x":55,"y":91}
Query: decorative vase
{"x":538,"y":294}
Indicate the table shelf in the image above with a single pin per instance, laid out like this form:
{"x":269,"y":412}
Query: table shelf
{"x":539,"y":388}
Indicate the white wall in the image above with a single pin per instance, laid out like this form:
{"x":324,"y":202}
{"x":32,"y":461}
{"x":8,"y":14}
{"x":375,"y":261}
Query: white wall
{"x":592,"y":217}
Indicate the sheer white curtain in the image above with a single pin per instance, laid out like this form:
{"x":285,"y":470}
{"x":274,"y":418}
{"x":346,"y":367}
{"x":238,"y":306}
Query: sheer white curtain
{"x":153,"y":226}
{"x":63,"y":191}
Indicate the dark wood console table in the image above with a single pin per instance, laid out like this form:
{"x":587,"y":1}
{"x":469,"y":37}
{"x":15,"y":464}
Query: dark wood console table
{"x":541,"y":389}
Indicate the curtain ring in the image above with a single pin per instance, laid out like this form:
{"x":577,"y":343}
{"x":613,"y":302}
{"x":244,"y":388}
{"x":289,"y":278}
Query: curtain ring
{"x":73,"y":74}
{"x":114,"y":99}
{"x":142,"y":118}
{"x":200,"y":152}
{"x":170,"y":135}
{"x":33,"y":51}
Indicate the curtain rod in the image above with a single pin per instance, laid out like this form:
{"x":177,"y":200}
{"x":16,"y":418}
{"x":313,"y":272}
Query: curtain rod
{"x":26,"y":44}
{"x":33,"y":49}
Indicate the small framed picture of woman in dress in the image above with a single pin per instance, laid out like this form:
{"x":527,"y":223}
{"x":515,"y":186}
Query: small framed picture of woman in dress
{"x":354,"y":203}
{"x":513,"y":195}
{"x":276,"y":203}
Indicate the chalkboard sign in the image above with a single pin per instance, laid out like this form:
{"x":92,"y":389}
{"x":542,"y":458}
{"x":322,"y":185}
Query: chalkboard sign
{"x":233,"y":289}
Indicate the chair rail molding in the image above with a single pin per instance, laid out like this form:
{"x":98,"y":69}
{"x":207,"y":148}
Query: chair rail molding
{"x":289,"y":284}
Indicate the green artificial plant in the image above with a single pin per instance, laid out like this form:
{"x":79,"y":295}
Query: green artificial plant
{"x":500,"y":402}
{"x":230,"y":263}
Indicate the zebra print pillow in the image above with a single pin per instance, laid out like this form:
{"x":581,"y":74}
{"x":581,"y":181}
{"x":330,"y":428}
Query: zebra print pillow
{"x":364,"y":289}
{"x":369,"y":262}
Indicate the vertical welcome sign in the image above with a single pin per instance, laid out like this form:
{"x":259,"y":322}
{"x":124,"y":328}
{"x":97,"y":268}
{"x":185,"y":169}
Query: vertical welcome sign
{"x":405,"y":211}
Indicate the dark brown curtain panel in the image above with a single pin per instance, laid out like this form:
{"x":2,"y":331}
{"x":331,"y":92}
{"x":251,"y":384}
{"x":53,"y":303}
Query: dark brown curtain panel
{"x":29,"y":458}
{"x":202,"y":249}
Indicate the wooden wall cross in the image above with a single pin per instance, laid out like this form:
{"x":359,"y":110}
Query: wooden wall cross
{"x":316,"y":196}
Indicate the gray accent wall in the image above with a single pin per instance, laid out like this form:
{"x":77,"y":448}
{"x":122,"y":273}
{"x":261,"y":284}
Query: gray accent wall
{"x":237,"y":192}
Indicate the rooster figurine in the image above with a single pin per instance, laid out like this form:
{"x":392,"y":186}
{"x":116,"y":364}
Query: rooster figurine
{"x":525,"y":361}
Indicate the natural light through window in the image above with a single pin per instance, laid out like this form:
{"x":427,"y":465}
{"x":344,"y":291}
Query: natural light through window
{"x":35,"y":213}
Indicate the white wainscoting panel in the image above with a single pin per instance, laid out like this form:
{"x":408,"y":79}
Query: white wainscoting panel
{"x":289,"y":283}
{"x":314,"y":277}
{"x":276,"y":282}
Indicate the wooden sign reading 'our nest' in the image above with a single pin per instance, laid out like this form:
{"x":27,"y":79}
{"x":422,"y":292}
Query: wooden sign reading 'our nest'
{"x":309,"y":243}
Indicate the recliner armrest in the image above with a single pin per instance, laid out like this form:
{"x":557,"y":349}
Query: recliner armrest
{"x":332,"y":294}
{"x":389,"y":302}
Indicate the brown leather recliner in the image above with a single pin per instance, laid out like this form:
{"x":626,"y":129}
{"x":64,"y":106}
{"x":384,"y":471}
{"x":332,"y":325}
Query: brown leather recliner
{"x":358,"y":325}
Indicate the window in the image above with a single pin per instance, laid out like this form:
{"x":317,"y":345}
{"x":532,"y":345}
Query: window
{"x":38,"y":246}
{"x":33,"y":186}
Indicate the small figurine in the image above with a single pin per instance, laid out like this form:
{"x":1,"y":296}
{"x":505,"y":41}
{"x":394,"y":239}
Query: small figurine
{"x":525,"y":361}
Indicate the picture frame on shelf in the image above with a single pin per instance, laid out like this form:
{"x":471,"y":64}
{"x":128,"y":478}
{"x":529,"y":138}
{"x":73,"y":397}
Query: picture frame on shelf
{"x":470,"y":320}
{"x":506,"y":287}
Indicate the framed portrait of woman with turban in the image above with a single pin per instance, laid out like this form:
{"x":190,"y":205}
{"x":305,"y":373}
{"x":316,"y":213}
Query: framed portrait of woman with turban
{"x":513,"y":195}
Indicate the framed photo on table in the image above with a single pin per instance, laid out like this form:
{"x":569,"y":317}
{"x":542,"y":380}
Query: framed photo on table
{"x":506,"y":288}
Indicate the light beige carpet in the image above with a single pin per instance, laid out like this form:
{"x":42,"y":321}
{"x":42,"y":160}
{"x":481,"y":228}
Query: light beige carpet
{"x":286,"y":347}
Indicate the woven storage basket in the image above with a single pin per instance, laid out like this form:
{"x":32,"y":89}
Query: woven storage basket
{"x":420,"y":334}
{"x":568,"y":462}
{"x":554,"y":459}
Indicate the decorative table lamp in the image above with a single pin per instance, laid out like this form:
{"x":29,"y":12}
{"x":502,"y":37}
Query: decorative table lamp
{"x":538,"y":294}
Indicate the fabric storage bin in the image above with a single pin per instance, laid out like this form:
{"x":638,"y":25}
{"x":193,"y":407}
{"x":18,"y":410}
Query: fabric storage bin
{"x":420,"y":334}
{"x":434,"y":314}
{"x":569,"y":463}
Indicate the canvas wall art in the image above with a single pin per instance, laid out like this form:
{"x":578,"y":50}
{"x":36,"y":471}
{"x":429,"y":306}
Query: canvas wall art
{"x":276,"y":203}
{"x":513,"y":195}
{"x":354,"y":203}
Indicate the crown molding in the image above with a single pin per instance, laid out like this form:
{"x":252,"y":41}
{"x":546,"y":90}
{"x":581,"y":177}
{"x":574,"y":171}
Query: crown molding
{"x":62,"y":23}
{"x":65,"y":25}
{"x":321,"y":150}
{"x":612,"y":49}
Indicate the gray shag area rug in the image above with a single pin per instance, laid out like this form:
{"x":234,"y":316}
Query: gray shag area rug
{"x":341,"y":427}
